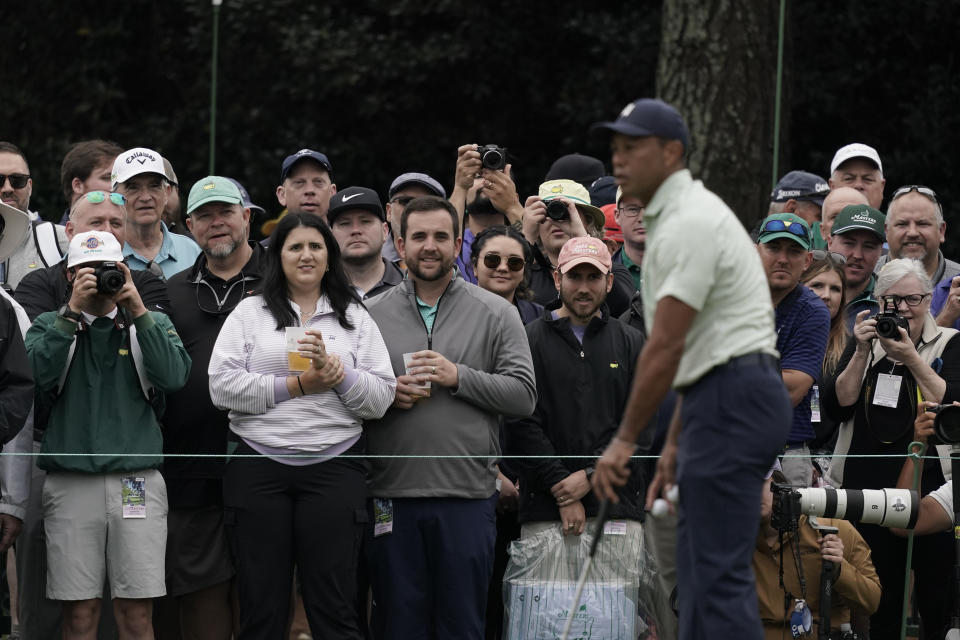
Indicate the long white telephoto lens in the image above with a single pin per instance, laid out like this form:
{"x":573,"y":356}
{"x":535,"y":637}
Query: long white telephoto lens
{"x":885,"y":507}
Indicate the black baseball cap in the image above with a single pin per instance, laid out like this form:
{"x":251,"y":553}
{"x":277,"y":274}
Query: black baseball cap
{"x":648,"y":117}
{"x":576,"y":167}
{"x":353,"y":198}
{"x":310,"y":154}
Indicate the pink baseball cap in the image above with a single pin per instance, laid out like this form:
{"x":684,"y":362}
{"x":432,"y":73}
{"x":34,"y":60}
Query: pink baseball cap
{"x":584,"y":250}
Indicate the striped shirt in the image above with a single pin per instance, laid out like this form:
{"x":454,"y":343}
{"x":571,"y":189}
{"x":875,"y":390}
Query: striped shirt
{"x":251,"y":353}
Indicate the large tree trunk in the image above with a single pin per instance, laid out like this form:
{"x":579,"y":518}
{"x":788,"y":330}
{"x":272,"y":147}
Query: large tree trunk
{"x":717,"y":66}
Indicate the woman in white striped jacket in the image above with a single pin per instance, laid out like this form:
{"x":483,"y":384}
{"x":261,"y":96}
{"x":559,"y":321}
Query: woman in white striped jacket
{"x":299,"y":499}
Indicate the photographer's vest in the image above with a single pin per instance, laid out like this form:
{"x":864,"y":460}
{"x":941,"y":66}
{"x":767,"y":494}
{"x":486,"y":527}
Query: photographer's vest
{"x":934,"y":340}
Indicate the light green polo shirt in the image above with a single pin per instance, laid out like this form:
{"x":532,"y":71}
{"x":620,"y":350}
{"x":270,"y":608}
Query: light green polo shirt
{"x":699,"y":253}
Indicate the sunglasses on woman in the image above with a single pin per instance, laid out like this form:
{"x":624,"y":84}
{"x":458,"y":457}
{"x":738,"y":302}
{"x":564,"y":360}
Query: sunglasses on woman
{"x":836,"y":258}
{"x":514,"y":263}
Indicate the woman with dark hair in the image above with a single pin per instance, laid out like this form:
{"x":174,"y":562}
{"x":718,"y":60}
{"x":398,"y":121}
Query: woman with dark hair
{"x":499,"y":257}
{"x":297,"y":406}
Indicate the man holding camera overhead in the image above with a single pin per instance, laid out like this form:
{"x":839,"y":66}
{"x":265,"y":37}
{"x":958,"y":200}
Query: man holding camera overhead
{"x":102,"y":363}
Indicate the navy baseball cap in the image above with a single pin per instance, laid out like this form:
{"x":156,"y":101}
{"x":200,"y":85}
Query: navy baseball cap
{"x":245,"y":196}
{"x":294,"y":158}
{"x":353,"y":198}
{"x":800,"y":185}
{"x":576,"y":167}
{"x":648,"y":117}
{"x":421,"y":179}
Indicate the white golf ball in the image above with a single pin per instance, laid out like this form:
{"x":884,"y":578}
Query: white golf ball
{"x":660,"y":508}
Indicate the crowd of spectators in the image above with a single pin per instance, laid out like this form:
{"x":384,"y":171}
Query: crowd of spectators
{"x":228,"y":431}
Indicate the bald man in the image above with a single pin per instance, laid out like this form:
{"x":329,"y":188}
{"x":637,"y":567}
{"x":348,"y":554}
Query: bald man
{"x":836,"y":200}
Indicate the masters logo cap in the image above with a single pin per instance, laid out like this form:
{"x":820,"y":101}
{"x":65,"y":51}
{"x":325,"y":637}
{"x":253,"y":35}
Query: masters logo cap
{"x":576,"y":193}
{"x":93,"y":246}
{"x":584,"y":250}
{"x":133,"y":162}
{"x":859,"y":216}
{"x":213,"y":189}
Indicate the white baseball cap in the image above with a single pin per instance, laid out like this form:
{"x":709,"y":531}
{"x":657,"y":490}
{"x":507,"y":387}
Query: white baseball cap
{"x":93,"y":246}
{"x":855,"y":150}
{"x":133,"y":162}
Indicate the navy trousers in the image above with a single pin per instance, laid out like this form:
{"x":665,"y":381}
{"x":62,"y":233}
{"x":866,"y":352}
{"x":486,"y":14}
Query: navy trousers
{"x":430,"y":575}
{"x":735,"y":421}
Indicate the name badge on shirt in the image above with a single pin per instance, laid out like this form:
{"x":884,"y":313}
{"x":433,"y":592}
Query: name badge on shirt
{"x":133,"y":497}
{"x":815,"y":404}
{"x":801,"y":620}
{"x":382,"y":516}
{"x":887,"y":393}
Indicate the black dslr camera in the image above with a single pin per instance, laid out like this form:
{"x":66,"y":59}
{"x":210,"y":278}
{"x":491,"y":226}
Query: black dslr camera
{"x":492,"y":156}
{"x":109,"y":278}
{"x":557,"y":210}
{"x":947,"y":423}
{"x":786,"y":507}
{"x":890,"y":321}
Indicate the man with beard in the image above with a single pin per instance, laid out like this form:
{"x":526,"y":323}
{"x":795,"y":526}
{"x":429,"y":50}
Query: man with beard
{"x":484,"y":197}
{"x":857,"y":234}
{"x":198,"y":565}
{"x":577,"y":345}
{"x":359,"y":225}
{"x":461,"y":359}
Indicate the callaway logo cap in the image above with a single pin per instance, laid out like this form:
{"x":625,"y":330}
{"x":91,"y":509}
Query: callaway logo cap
{"x":584,"y":250}
{"x":308,"y":154}
{"x":800,"y":185}
{"x":212,"y":189}
{"x":855,"y":150}
{"x":648,"y":117}
{"x":352,"y":199}
{"x":135,"y":161}
{"x":93,"y":246}
{"x":859,"y":216}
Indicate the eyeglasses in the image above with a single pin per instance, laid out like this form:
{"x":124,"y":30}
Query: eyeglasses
{"x":17,"y":180}
{"x":135,"y":188}
{"x":795,"y":228}
{"x":514,"y":263}
{"x":836,"y":258}
{"x":630,"y":212}
{"x":96,"y":197}
{"x":402,"y":200}
{"x":912,"y":299}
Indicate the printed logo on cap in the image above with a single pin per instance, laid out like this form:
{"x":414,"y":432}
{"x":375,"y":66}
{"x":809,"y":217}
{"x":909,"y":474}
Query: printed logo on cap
{"x":141,"y":157}
{"x":92,"y":242}
{"x":586,"y":247}
{"x":303,"y":152}
{"x":863,"y":217}
{"x":821,"y":186}
{"x":209,"y":186}
{"x":557,"y":188}
{"x":627,"y":110}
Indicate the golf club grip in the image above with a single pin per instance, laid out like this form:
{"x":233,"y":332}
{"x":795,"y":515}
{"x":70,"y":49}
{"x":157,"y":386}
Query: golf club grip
{"x":601,"y":519}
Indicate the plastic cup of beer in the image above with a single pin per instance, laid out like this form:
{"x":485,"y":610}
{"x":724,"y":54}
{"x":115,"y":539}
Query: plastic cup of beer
{"x":295,"y":361}
{"x":407,"y":365}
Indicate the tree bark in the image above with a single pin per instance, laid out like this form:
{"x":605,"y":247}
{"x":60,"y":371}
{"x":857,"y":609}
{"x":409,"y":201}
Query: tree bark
{"x":717,"y":66}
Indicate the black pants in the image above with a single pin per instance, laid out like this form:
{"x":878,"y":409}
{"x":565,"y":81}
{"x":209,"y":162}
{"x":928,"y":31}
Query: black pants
{"x":280,"y":516}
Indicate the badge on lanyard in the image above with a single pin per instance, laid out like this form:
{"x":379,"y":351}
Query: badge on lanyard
{"x":801,"y":621}
{"x":133,"y":497}
{"x":815,"y":404}
{"x":887,"y":393}
{"x":382,"y":516}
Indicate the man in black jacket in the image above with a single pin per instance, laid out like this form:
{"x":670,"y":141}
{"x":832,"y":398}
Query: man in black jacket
{"x":199,"y":569}
{"x":584,"y":361}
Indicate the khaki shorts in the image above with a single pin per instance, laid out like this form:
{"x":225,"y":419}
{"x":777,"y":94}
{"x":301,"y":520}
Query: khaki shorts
{"x":88,"y":539}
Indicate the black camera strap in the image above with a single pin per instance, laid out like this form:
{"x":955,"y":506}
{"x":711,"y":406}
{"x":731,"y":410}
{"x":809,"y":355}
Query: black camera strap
{"x":788,"y":597}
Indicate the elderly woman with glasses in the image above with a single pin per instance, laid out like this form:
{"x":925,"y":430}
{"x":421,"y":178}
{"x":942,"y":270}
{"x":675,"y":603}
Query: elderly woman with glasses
{"x":894,"y":360}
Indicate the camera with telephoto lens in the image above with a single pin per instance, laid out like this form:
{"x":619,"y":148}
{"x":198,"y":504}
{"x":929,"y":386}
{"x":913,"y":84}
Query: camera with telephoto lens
{"x":109,"y":278}
{"x":492,"y":156}
{"x":890,"y":321}
{"x":947,"y":423}
{"x":557,"y":210}
{"x":896,"y":508}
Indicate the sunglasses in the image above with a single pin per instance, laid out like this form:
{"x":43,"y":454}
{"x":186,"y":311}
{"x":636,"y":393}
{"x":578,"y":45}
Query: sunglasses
{"x":795,"y":228}
{"x":96,"y":197}
{"x":492,"y":261}
{"x":926,"y":191}
{"x":17,"y":180}
{"x":836,"y":258}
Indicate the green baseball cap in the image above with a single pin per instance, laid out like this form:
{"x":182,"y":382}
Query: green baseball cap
{"x":785,"y":225}
{"x":213,"y":189}
{"x":859,"y":216}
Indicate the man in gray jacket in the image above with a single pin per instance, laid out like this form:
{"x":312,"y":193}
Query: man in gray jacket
{"x":461,"y":358}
